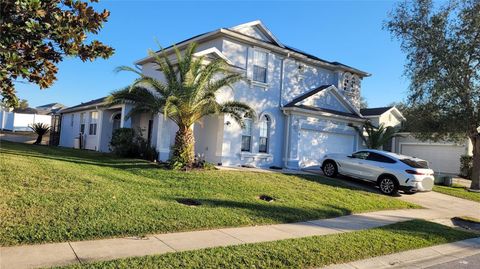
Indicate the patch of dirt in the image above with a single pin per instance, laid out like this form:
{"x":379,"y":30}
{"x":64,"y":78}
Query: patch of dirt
{"x":266,"y":198}
{"x":189,"y":202}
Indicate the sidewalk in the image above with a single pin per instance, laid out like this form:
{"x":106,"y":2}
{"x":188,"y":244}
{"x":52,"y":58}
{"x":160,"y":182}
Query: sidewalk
{"x":437,"y":206}
{"x":418,"y":258}
{"x":45,"y":255}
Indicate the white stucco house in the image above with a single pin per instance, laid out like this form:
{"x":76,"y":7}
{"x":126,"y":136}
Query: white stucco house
{"x":303,"y":104}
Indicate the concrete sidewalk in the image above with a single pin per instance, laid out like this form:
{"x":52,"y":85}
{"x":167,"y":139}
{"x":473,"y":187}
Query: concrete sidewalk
{"x":437,"y":206}
{"x":418,"y":258}
{"x":45,"y":255}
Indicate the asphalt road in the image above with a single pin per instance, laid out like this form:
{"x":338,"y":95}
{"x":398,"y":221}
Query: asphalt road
{"x":471,"y":262}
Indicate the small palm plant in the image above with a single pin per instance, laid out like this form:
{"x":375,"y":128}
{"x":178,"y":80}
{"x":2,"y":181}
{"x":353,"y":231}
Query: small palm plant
{"x":373,"y":136}
{"x":40,"y":129}
{"x":187,"y":94}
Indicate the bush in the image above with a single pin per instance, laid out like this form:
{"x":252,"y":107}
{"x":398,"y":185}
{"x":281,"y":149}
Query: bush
{"x":466,"y":166}
{"x":126,"y":142}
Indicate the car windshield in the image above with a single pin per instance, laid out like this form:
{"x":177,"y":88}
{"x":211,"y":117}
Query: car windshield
{"x":415,"y":164}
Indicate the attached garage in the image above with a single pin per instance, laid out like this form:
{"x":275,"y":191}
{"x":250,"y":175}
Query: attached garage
{"x":314,"y":144}
{"x":443,"y":158}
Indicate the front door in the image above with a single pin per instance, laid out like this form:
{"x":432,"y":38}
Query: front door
{"x":116,"y":122}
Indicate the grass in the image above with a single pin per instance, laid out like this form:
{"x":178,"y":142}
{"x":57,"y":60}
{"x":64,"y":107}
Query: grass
{"x":52,"y":194}
{"x":306,"y":252}
{"x":458,"y":191}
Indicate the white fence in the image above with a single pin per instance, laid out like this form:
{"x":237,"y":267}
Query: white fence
{"x":19,"y":122}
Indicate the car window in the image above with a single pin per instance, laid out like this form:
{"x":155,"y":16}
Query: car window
{"x":379,"y":158}
{"x":415,"y":164}
{"x":361,"y":155}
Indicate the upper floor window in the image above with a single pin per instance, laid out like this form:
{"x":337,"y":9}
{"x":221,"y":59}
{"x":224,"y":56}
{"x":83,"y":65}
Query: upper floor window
{"x":82,"y":122}
{"x":92,"y":130}
{"x":247,"y":135}
{"x":259,"y":66}
{"x":264,"y":133}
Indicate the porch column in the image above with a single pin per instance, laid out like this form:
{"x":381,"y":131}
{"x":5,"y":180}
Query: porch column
{"x":124,"y":122}
{"x":99,"y":130}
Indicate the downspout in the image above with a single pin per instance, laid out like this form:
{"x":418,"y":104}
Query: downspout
{"x":286,"y":144}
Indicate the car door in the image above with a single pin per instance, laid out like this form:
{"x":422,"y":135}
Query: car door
{"x":353,"y":165}
{"x":375,"y":165}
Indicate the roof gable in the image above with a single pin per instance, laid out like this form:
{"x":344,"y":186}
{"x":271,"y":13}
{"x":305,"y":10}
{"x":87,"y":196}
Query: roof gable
{"x":257,"y":30}
{"x":325,"y":97}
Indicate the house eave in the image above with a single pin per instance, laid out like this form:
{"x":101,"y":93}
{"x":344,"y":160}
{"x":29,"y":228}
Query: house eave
{"x":252,"y":41}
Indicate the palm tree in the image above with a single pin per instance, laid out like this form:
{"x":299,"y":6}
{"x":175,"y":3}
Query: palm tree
{"x":185,"y":96}
{"x":375,"y":136}
{"x":40,"y":129}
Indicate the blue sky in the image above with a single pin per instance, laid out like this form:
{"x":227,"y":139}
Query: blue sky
{"x":346,"y":31}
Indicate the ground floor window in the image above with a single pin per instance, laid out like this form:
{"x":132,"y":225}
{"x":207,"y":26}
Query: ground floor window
{"x":247,"y":135}
{"x":264,"y":132}
{"x":92,"y":130}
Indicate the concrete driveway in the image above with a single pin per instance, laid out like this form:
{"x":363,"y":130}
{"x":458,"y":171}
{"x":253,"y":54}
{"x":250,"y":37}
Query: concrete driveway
{"x":442,"y":206}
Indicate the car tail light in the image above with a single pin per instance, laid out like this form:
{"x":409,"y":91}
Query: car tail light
{"x":413,"y":172}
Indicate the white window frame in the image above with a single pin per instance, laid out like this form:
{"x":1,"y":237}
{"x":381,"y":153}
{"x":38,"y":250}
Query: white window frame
{"x":267,"y":121}
{"x":82,"y":122}
{"x":244,"y":134}
{"x":257,"y":50}
{"x":92,"y":128}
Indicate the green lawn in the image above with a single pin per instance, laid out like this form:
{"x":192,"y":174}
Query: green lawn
{"x":53,"y":194}
{"x":306,"y":252}
{"x":458,"y":191}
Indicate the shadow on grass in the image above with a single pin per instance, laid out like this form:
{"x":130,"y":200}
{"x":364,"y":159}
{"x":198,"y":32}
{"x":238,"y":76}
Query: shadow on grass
{"x":276,"y":212}
{"x":75,"y":156}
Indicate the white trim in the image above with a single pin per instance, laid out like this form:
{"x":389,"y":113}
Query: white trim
{"x":306,"y":112}
{"x":213,"y":50}
{"x":262,"y":27}
{"x":257,"y":155}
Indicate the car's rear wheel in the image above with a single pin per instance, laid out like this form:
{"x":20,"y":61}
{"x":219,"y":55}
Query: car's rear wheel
{"x":330,"y":169}
{"x":388,"y":185}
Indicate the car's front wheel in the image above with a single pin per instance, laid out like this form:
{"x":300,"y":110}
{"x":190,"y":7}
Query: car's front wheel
{"x":330,"y":169}
{"x":388,"y":185}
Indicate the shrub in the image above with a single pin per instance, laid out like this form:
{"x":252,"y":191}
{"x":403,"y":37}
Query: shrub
{"x":466,"y":166}
{"x":122,"y":143}
{"x":40,"y":129}
{"x":126,"y":142}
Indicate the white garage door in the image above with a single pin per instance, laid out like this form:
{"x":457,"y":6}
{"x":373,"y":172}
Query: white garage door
{"x":442,"y":158}
{"x":314,"y":145}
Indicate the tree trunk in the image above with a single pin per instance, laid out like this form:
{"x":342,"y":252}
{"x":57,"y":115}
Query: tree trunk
{"x":183,"y":150}
{"x":39,"y":140}
{"x":476,"y":162}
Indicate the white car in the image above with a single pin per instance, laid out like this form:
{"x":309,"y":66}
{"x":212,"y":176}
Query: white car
{"x":391,"y":172}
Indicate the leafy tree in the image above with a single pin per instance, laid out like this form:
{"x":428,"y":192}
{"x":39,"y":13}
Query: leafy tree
{"x":187,"y":94}
{"x":375,"y":136}
{"x":40,"y":129}
{"x":35,"y":35}
{"x":363,"y":102}
{"x":442,"y":43}
{"x":23,"y":104}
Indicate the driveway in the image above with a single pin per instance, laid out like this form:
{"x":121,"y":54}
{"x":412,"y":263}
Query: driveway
{"x":23,"y":138}
{"x":442,"y":206}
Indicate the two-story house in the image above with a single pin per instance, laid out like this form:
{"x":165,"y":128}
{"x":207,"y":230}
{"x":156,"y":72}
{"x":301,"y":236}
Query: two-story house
{"x":303,"y":103}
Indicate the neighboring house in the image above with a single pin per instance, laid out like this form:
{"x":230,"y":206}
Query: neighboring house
{"x":443,"y":156}
{"x":49,"y":108}
{"x":303,"y":104}
{"x":20,"y":119}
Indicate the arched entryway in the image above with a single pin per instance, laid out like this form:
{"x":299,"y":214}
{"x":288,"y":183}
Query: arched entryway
{"x":116,"y":119}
